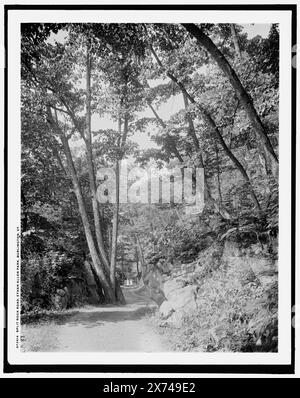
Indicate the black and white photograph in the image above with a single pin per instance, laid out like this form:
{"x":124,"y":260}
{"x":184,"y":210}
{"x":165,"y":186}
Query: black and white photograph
{"x":149,"y":186}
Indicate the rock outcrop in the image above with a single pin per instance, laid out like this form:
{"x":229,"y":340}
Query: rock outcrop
{"x":252,"y":263}
{"x":61,"y":299}
{"x":77,"y":290}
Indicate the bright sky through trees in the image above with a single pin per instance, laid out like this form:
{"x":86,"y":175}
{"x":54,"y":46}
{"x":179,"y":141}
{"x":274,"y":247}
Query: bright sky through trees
{"x":173,"y":105}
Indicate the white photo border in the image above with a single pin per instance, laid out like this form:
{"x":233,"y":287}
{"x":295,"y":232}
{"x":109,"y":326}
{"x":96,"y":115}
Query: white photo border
{"x":108,"y":361}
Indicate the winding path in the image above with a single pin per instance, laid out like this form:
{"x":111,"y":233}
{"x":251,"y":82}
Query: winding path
{"x":97,"y":328}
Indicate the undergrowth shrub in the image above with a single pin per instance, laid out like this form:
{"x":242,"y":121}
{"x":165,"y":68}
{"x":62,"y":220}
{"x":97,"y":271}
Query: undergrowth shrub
{"x":41,"y":275}
{"x":230,"y":317}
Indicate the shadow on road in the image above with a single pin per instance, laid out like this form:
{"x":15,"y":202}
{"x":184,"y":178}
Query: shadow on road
{"x":98,"y":317}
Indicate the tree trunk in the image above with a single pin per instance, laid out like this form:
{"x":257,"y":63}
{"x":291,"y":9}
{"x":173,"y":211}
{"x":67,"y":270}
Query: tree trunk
{"x":122,"y":260}
{"x":96,"y":262}
{"x":243,"y":96}
{"x":218,"y":175}
{"x":115,"y":231}
{"x":230,"y":154}
{"x":192,"y":131}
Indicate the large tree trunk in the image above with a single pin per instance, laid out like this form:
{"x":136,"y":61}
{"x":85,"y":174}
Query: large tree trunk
{"x":91,"y":171}
{"x":232,"y":157}
{"x":141,"y":255}
{"x":208,"y":197}
{"x":109,"y":293}
{"x":243,"y":96}
{"x":189,"y":119}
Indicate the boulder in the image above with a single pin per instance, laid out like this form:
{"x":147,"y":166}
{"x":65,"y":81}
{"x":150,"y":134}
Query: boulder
{"x":75,"y":287}
{"x":165,"y":310}
{"x":251,"y":263}
{"x":93,"y":297}
{"x":184,"y":299}
{"x":251,"y":269}
{"x":156,"y":295}
{"x":208,"y":260}
{"x":61,"y":299}
{"x":61,"y":292}
{"x":190,"y":267}
{"x":153,"y":280}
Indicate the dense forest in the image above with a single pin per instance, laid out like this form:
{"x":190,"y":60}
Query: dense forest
{"x":220,"y":261}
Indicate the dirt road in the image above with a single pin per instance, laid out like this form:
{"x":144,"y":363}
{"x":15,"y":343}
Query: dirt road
{"x":97,"y":328}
